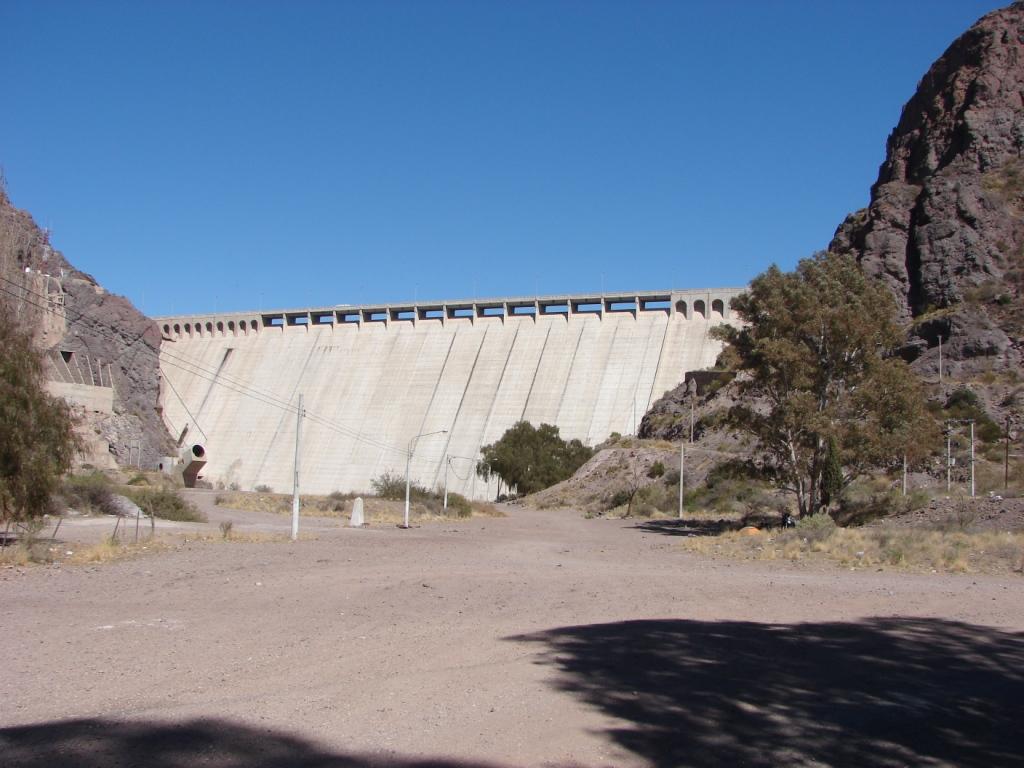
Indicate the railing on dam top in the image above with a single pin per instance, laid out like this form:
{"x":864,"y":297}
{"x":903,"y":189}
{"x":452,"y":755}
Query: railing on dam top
{"x":690,"y":304}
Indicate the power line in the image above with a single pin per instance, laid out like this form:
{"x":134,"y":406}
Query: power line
{"x":288,"y":408}
{"x":183,"y":405}
{"x":198,"y":369}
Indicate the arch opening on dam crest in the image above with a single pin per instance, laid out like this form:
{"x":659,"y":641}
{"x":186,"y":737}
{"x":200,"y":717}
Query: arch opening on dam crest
{"x":375,"y":376}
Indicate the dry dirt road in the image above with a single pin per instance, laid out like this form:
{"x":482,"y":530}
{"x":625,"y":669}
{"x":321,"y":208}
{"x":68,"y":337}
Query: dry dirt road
{"x":537,"y":639}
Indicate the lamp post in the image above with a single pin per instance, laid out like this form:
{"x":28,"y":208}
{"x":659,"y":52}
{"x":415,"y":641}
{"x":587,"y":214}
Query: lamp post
{"x":408,"y":461}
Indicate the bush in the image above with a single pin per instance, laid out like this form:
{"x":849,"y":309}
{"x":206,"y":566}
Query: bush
{"x":657,"y":470}
{"x":459,"y":505}
{"x":816,"y":528}
{"x":962,"y":518}
{"x":620,"y":498}
{"x":392,"y":486}
{"x":262,"y":488}
{"x":963,"y":403}
{"x":869,"y":499}
{"x":167,"y":505}
{"x":90,"y":494}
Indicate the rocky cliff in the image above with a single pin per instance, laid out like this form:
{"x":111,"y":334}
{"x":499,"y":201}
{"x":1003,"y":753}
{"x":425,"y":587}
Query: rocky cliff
{"x":945,"y":224}
{"x":107,"y":341}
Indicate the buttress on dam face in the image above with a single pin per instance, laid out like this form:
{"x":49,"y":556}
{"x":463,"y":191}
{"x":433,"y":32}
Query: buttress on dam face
{"x":374,"y":377}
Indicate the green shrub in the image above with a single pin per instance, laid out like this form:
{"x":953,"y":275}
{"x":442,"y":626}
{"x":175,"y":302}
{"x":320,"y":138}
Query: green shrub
{"x":655,"y":498}
{"x":262,"y":488}
{"x":963,"y":403}
{"x":620,"y":498}
{"x":459,"y":505}
{"x":91,"y":494}
{"x":657,"y":470}
{"x":392,"y":486}
{"x":167,"y":505}
{"x":817,"y":527}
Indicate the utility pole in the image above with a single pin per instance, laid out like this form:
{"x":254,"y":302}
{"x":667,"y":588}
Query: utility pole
{"x":972,"y":457}
{"x":940,"y":358}
{"x":408,"y":461}
{"x":447,"y":461}
{"x":904,"y":474}
{"x":1006,"y":455}
{"x":691,"y":419}
{"x":949,"y":468}
{"x":295,"y":485}
{"x":682,"y":477}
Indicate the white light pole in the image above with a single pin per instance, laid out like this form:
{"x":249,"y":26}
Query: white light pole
{"x":408,"y":460}
{"x":295,"y":484}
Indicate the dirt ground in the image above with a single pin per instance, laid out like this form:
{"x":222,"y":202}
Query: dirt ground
{"x":540,"y":638}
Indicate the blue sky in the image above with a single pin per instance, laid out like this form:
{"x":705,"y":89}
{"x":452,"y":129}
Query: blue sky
{"x":199,"y":156}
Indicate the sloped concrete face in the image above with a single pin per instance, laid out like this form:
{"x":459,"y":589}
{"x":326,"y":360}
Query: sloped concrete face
{"x":372,"y":384}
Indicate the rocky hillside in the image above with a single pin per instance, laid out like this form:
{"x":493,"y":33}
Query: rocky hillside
{"x":944,"y":228}
{"x":945,"y":225}
{"x":71,"y":312}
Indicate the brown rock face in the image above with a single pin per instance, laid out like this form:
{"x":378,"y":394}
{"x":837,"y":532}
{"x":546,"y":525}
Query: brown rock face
{"x":93,"y":323}
{"x":945,"y":226}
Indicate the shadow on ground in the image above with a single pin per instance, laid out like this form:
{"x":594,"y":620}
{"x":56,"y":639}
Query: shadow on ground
{"x":879,"y":692}
{"x":208,"y":743}
{"x":687,"y":527}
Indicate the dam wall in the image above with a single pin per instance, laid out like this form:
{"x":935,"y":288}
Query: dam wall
{"x":374,"y":377}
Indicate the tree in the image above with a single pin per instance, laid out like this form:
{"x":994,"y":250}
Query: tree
{"x":530,"y":459}
{"x":820,"y":386}
{"x":37,"y":438}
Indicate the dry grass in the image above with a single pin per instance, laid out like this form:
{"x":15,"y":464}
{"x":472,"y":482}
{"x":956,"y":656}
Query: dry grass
{"x":376,"y":510}
{"x":111,"y":550}
{"x":869,"y":548}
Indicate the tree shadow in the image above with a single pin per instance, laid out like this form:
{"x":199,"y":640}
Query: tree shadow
{"x":211,"y":743}
{"x":687,"y":527}
{"x":879,"y":692}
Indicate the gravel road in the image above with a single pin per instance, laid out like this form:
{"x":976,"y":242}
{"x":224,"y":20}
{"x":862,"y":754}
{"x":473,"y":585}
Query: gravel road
{"x":536,"y":639}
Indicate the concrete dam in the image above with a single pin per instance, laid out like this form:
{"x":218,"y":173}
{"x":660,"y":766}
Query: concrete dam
{"x":456,"y":373}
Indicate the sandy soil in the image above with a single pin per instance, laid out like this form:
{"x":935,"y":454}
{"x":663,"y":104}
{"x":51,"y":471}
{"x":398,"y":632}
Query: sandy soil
{"x":536,"y":639}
